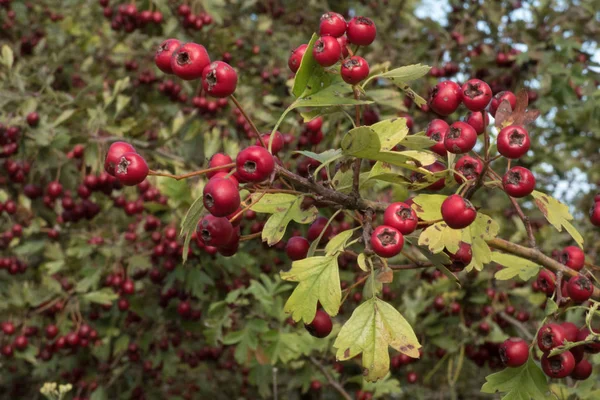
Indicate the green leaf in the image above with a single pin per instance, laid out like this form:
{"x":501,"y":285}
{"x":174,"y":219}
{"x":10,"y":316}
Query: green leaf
{"x":338,"y":243}
{"x":514,"y":266}
{"x":189,"y":224}
{"x":287,"y":347}
{"x":407,"y":73}
{"x":374,"y":326}
{"x":439,"y":236}
{"x":324,"y":157}
{"x":429,"y":206}
{"x":390,"y":132}
{"x":65,"y":115}
{"x":91,"y":279}
{"x":522,"y":383}
{"x":557,"y":214}
{"x":336,"y":94}
{"x":482,"y":229}
{"x":246,"y":340}
{"x":551,"y":308}
{"x":102,"y":296}
{"x":99,"y":394}
{"x":362,"y":262}
{"x":318,"y":281}
{"x":7,"y":56}
{"x":308,"y":67}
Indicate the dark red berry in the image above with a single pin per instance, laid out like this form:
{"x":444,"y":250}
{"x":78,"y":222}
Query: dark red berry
{"x":131,"y":169}
{"x":580,"y":288}
{"x":514,"y":352}
{"x":221,"y":197}
{"x":582,"y":370}
{"x":469,"y":167}
{"x":214,"y":231}
{"x":33,"y":119}
{"x":559,"y":366}
{"x":254,"y":164}
{"x":550,"y":336}
{"x":462,"y":257}
{"x":402,"y":217}
{"x":595,"y":214}
{"x":476,"y":120}
{"x":217,"y":160}
{"x":386,"y":241}
{"x":546,"y":281}
{"x":114,"y":154}
{"x":317,"y":227}
{"x":518,"y":182}
{"x":297,"y":248}
{"x":321,"y":325}
{"x":436,"y":130}
{"x":460,"y":138}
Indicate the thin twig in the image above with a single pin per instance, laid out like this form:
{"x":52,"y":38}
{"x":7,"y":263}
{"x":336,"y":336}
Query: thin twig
{"x":528,"y":335}
{"x":256,"y":132}
{"x":367,"y":228}
{"x":250,"y":237}
{"x":335,"y":384}
{"x":354,"y":285}
{"x":191,"y":174}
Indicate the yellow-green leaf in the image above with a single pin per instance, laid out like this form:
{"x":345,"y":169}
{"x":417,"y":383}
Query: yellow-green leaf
{"x":362,"y":262}
{"x":429,"y":206}
{"x":557,"y":214}
{"x":439,"y":236}
{"x":374,"y":326}
{"x":318,"y":281}
{"x":390,"y":132}
{"x":482,"y":229}
{"x":338,"y":242}
{"x":514,"y":266}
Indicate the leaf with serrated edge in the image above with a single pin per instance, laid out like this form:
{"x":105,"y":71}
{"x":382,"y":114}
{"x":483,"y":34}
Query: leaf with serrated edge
{"x":338,"y":242}
{"x":318,"y":281}
{"x":440,"y":236}
{"x":521,"y":383}
{"x":557,"y":214}
{"x":189,"y":223}
{"x":482,"y":229}
{"x":374,"y":326}
{"x":429,"y":206}
{"x":276,"y":225}
{"x":514,"y":266}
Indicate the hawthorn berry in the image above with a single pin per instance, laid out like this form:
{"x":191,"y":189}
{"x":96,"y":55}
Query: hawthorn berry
{"x":412,"y":377}
{"x":469,"y":167}
{"x":580,"y":288}
{"x":435,"y":186}
{"x":332,"y":24}
{"x":499,"y":98}
{"x":54,"y":189}
{"x":571,"y":331}
{"x":582,"y":370}
{"x":218,"y":160}
{"x":361,"y":31}
{"x":460,"y":138}
{"x":386,"y":241}
{"x":436,"y":130}
{"x":513,"y":142}
{"x":445,"y":98}
{"x":8,"y":328}
{"x":21,"y":342}
{"x":476,"y":94}
{"x":479,"y":120}
{"x":462,"y":257}
{"x":163,"y":55}
{"x":254,"y":164}
{"x":189,"y":60}
{"x":402,"y":217}
{"x":221,"y":197}
{"x":327,"y":51}
{"x":296,"y":57}
{"x":573,"y":257}
{"x":33,"y":119}
{"x":278,"y":141}
{"x":595,"y":213}
{"x":321,"y":325}
{"x":219,"y":79}
{"x":518,"y":182}
{"x":131,"y":169}
{"x":550,"y":336}
{"x":114,"y":154}
{"x":559,"y":366}
{"x":592,"y":348}
{"x":317,"y":227}
{"x":458,"y":212}
{"x":354,"y":70}
{"x":315,"y":124}
{"x":546,"y":282}
{"x":297,"y":248}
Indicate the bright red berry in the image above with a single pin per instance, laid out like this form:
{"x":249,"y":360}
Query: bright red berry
{"x":476,"y":120}
{"x":513,"y":142}
{"x":278,"y":141}
{"x":54,"y":189}
{"x":592,"y":348}
{"x":131,"y":169}
{"x":219,"y":79}
{"x":476,"y":94}
{"x":580,"y":288}
{"x":386,"y":241}
{"x":573,"y":257}
{"x":297,"y":248}
{"x":214,"y":231}
{"x":582,"y":370}
{"x":217,"y":160}
{"x":514,"y":352}
{"x":550,"y":336}
{"x":254,"y":164}
{"x":296,"y":57}
{"x":445,"y":98}
{"x":402,"y":217}
{"x":559,"y":366}
{"x":33,"y":119}
{"x":21,"y":342}
{"x":327,"y":51}
{"x":460,"y":138}
{"x":114,"y":154}
{"x":436,"y":130}
{"x":469,"y":167}
{"x":317,"y":227}
{"x":595,"y":213}
{"x":314,"y":125}
{"x":189,"y":60}
{"x":163,"y":55}
{"x":458,"y":212}
{"x":332,"y":24}
{"x":361,"y":31}
{"x":518,"y":182}
{"x":546,"y":282}
{"x":354,"y":70}
{"x":462,"y":257}
{"x":321,"y":325}
{"x":571,"y":331}
{"x":499,"y":98}
{"x":221,"y":197}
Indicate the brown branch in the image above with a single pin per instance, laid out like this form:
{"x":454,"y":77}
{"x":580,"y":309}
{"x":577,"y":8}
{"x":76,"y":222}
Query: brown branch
{"x":191,"y":174}
{"x":335,"y":384}
{"x":256,"y":132}
{"x":410,"y":266}
{"x":367,"y":228}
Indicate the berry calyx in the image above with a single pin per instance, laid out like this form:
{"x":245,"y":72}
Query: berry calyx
{"x":469,"y":167}
{"x":460,"y":138}
{"x":445,"y":98}
{"x":387,"y":241}
{"x":458,"y":212}
{"x":221,"y":197}
{"x":219,"y":79}
{"x":513,"y":142}
{"x":131,"y":169}
{"x":114,"y":154}
{"x":163,"y":55}
{"x":321,"y":325}
{"x":476,"y":94}
{"x":327,"y":51}
{"x":402,"y":217}
{"x":580,"y":288}
{"x":436,"y":130}
{"x":214,"y":231}
{"x":332,"y":24}
{"x":189,"y":60}
{"x":361,"y":31}
{"x":546,"y":282}
{"x":254,"y":164}
{"x":518,"y":182}
{"x":354,"y":70}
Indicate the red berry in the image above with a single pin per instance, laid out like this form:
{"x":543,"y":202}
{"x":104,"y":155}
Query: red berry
{"x":184,"y":308}
{"x":476,"y":94}
{"x":386,"y":241}
{"x":278,"y":141}
{"x":114,"y":154}
{"x":189,"y":60}
{"x":546,"y":281}
{"x":412,"y":377}
{"x":297,"y":248}
{"x":33,"y":119}
{"x":361,"y":31}
{"x":402,"y":217}
{"x":54,"y":189}
{"x":592,"y":348}
{"x":460,"y":138}
{"x":51,"y":331}
{"x":571,"y":331}
{"x":518,"y":182}
{"x":445,"y":98}
{"x":573,"y":257}
{"x":314,"y":125}
{"x":296,"y":57}
{"x":327,"y":51}
{"x":469,"y":167}
{"x":462,"y":257}
{"x":476,"y":120}
{"x":513,"y":142}
{"x":221,"y":197}
{"x":254,"y":164}
{"x":214,"y":231}
{"x":595,"y":213}
{"x":317,"y":227}
{"x":343,"y":41}
{"x":417,"y":177}
{"x":559,"y":366}
{"x":217,"y":160}
{"x":354,"y":70}
{"x":163,"y":55}
{"x":436,"y":130}
{"x":332,"y":24}
{"x":501,"y":96}
{"x":321,"y":325}
{"x":550,"y":336}
{"x":131,"y":169}
{"x":458,"y":212}
{"x":580,"y":288}
{"x":8,"y":327}
{"x":21,"y":342}
{"x":582,"y":370}
{"x":219,"y":79}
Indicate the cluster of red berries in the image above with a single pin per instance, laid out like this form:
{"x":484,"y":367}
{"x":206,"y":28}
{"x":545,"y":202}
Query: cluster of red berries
{"x":12,"y":265}
{"x":209,"y":107}
{"x":191,"y":20}
{"x":332,"y":46}
{"x":447,"y":70}
{"x":9,"y":137}
{"x":127,"y":17}
{"x":124,"y":163}
{"x":311,"y":134}
{"x":595,"y":211}
{"x":399,"y":219}
{"x":190,"y":61}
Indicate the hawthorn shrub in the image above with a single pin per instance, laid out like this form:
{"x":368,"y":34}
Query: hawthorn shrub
{"x":266,"y":200}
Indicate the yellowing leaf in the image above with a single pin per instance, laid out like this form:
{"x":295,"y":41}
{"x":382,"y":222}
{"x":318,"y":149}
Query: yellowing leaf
{"x":482,"y":229}
{"x":362,"y":262}
{"x":439,"y":236}
{"x":390,"y":132}
{"x":557,"y":214}
{"x":374,"y":326}
{"x":429,"y":206}
{"x":338,"y":242}
{"x":514,"y":266}
{"x":319,"y":280}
